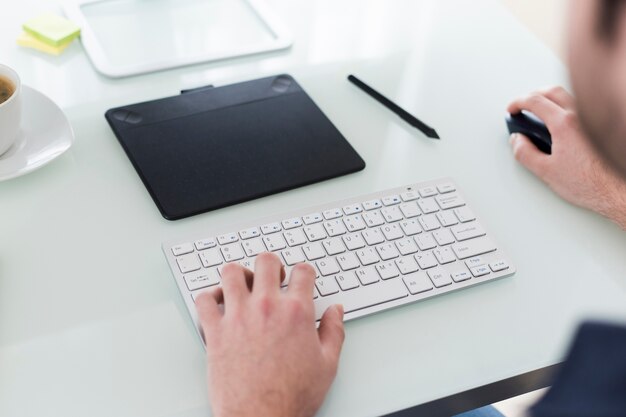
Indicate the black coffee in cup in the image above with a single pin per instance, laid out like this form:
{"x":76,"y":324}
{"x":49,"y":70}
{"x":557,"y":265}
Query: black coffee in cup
{"x":6,"y":89}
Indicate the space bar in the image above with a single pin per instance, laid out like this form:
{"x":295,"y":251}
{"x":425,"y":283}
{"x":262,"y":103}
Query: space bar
{"x":362,"y":297}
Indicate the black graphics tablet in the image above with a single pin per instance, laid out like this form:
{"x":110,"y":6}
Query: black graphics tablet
{"x":216,"y":147}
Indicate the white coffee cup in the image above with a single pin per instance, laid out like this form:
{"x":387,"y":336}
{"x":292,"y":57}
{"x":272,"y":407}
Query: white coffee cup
{"x":10,"y":111}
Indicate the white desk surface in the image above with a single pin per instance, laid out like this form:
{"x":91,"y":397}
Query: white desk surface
{"x":91,"y":322}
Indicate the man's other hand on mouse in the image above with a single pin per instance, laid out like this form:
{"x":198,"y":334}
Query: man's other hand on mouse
{"x":575,"y":170}
{"x":265,"y":356}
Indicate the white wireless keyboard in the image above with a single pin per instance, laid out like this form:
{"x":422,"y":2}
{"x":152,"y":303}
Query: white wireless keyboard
{"x":371,"y":253}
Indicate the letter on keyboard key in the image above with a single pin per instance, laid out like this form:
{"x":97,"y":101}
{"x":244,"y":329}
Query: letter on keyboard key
{"x":232,"y":252}
{"x":363,"y":297}
{"x":348,"y":261}
{"x":253,"y":247}
{"x":387,"y":270}
{"x":347,"y":281}
{"x":354,"y":241}
{"x":470,"y":248}
{"x":373,"y":236}
{"x":211,"y":257}
{"x":367,"y":276}
{"x":295,"y":237}
{"x":327,"y":286}
{"x":293,"y":256}
{"x":314,"y":251}
{"x":387,"y":251}
{"x":188,"y":263}
{"x":417,"y":283}
{"x":182,"y":249}
{"x":328,"y":266}
{"x":367,"y":256}
{"x":392,"y":231}
{"x":333,"y":246}
{"x":406,"y":246}
{"x":411,"y":227}
{"x":315,"y":232}
{"x":439,"y":277}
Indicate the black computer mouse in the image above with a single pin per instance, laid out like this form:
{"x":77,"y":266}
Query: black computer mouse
{"x":530,"y":125}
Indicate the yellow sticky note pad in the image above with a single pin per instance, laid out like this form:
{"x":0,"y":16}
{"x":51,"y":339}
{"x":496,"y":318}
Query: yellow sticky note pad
{"x":29,"y":41}
{"x":52,"y":29}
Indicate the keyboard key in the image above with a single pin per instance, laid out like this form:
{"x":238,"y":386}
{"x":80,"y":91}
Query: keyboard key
{"x":335,"y":228}
{"x":352,"y":209}
{"x":202,"y":279}
{"x":461,"y":275}
{"x":232,"y":252}
{"x":391,"y":200}
{"x":295,"y":237}
{"x":464,"y":214}
{"x":439,"y":277}
{"x":446,"y":188}
{"x":373,"y":218}
{"x":211,"y":257}
{"x":373,"y":237}
{"x":253,"y":247}
{"x":314,"y":251}
{"x":354,"y":223}
{"x":363,"y":298}
{"x":293,"y":256}
{"x":406,"y":265}
{"x":247,"y":263}
{"x":354,"y":241}
{"x":315,"y":232}
{"x":372,"y":204}
{"x":426,"y":260}
{"x":500,"y":265}
{"x":410,"y":209}
{"x":392,"y":231}
{"x":425,"y":241}
{"x":328,"y":266}
{"x":182,"y":249}
{"x":387,"y":251}
{"x":333,"y":246}
{"x":447,"y":218}
{"x":188,"y":263}
{"x":467,"y":231}
{"x":347,"y":281}
{"x":292,"y":223}
{"x":473,"y":247}
{"x":387,"y":270}
{"x":227,"y":238}
{"x":327,"y":286}
{"x":367,"y":276}
{"x":479,"y":271}
{"x":391,"y":214}
{"x":409,"y":196}
{"x":443,"y":237}
{"x":250,"y":233}
{"x":348,"y":261}
{"x":203,"y":244}
{"x":312,"y":218}
{"x":428,"y":191}
{"x":428,"y":205}
{"x":448,"y":201}
{"x":367,"y":256}
{"x":417,"y":283}
{"x":274,"y":242}
{"x":332,"y":213}
{"x":429,"y":222}
{"x":475,"y":261}
{"x":406,"y":246}
{"x":267,"y":229}
{"x":444,"y":255}
{"x":411,"y":227}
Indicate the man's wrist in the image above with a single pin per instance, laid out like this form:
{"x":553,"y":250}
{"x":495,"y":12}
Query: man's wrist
{"x":614,"y":205}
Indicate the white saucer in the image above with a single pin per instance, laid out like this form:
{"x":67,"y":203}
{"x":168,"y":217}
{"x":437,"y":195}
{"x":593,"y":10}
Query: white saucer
{"x":46,"y":133}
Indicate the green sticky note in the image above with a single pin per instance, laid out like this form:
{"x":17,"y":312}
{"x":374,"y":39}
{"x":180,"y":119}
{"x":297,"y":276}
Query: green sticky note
{"x":52,"y":29}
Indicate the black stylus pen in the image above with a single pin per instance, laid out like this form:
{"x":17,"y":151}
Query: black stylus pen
{"x":404,"y":115}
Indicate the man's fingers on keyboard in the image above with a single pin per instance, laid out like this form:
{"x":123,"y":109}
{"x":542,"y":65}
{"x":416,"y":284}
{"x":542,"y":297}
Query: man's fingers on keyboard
{"x":528,"y":155}
{"x":235,"y":284}
{"x":331,"y":332}
{"x":268,"y":273}
{"x":302,"y":281}
{"x":207,"y":305}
